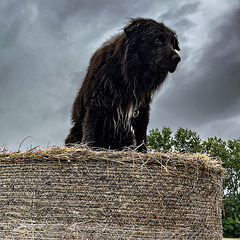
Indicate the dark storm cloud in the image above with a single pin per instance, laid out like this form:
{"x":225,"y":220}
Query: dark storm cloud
{"x":181,"y":12}
{"x":103,"y":12}
{"x":93,"y":10}
{"x":217,"y":73}
{"x":211,"y":90}
{"x":220,"y":85}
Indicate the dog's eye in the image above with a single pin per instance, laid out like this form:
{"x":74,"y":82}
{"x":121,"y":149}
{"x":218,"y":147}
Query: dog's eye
{"x":159,"y":40}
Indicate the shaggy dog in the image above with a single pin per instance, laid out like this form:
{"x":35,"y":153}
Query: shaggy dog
{"x":112,"y":107}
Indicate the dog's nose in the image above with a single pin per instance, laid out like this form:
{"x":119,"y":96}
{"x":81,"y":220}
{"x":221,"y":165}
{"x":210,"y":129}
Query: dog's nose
{"x":176,"y":58}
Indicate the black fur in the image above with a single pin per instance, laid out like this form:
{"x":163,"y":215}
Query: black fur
{"x":112,"y":107}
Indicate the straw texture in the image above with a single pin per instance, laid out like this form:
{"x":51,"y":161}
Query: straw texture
{"x":77,"y":193}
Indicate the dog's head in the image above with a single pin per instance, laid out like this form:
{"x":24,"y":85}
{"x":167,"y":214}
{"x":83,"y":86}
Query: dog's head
{"x":154,"y":43}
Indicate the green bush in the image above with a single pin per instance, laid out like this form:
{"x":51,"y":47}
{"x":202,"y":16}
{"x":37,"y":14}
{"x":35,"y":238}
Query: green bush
{"x":231,"y":228}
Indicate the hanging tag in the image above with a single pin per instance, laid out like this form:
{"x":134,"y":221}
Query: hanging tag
{"x":136,"y":113}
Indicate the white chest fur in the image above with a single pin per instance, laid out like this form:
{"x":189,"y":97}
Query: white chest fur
{"x":124,"y":118}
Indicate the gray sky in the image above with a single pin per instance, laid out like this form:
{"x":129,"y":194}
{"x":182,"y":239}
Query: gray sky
{"x":46,"y":46}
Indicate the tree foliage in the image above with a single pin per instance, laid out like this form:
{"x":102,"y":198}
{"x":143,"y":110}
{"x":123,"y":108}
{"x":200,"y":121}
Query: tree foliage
{"x":160,"y":141}
{"x":228,"y":152}
{"x":187,"y":140}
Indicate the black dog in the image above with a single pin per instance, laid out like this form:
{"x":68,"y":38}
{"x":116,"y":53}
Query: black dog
{"x":112,"y":107}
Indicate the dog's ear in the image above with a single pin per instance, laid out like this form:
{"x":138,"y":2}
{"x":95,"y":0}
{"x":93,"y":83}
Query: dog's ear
{"x":135,"y":26}
{"x":177,"y":46}
{"x":130,"y":65}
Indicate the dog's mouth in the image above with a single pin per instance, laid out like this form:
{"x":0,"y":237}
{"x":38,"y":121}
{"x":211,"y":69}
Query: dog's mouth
{"x":166,"y":69}
{"x":166,"y":65}
{"x":172,"y":69}
{"x":170,"y":64}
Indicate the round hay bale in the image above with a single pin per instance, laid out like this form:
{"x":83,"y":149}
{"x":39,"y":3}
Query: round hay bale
{"x":77,"y":193}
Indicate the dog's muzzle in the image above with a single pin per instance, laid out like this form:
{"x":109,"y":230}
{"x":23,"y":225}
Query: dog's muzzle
{"x":175,"y":60}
